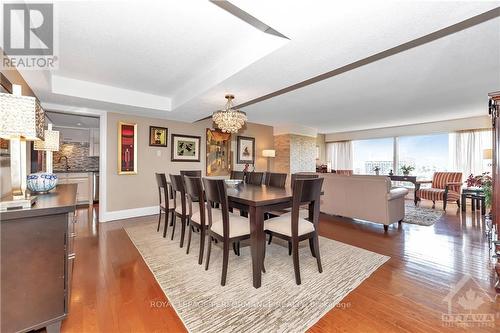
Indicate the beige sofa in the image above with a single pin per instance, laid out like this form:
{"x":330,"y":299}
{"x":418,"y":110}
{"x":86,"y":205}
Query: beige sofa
{"x":369,"y":198}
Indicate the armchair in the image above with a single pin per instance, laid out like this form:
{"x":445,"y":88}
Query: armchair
{"x":445,"y":186}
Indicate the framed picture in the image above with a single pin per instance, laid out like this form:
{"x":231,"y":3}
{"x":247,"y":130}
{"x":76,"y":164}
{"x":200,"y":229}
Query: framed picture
{"x":127,"y":148}
{"x":158,"y":136}
{"x":218,"y":153}
{"x":185,"y":148}
{"x":245,"y":149}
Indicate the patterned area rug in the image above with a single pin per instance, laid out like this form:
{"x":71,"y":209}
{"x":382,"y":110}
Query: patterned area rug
{"x":278,"y":306}
{"x":421,"y":215}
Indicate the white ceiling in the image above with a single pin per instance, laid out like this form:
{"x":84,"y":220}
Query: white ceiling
{"x":191,"y":54}
{"x":71,"y":120}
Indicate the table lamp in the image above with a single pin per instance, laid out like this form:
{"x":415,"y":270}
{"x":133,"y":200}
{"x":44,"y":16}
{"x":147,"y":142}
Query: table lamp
{"x":269,"y":153}
{"x":488,"y":155}
{"x":49,"y":145}
{"x":22,"y":119}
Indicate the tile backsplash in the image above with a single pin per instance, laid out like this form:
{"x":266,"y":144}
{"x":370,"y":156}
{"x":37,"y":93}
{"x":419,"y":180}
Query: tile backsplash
{"x":78,"y":157}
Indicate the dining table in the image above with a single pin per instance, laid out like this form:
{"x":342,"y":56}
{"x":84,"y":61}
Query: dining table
{"x":258,"y":200}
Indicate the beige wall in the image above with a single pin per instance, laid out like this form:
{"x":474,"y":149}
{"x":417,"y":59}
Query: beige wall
{"x":321,"y":144}
{"x":417,"y":129}
{"x":5,"y":185}
{"x":137,"y":191}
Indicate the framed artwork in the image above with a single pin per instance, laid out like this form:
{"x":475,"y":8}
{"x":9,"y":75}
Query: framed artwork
{"x":158,"y":136}
{"x":245,"y":150}
{"x":127,"y":148}
{"x":185,"y":148}
{"x":218,"y":153}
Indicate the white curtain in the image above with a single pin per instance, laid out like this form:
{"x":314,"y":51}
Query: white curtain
{"x":466,"y":151}
{"x":339,"y":155}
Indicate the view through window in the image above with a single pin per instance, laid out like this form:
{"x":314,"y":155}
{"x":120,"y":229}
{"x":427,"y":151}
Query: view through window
{"x":367,"y":154}
{"x":426,"y":153}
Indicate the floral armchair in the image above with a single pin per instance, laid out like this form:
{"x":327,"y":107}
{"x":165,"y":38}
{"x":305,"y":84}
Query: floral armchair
{"x":445,"y":186}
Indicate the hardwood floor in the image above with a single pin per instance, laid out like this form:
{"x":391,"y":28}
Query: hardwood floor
{"x":114,"y":291}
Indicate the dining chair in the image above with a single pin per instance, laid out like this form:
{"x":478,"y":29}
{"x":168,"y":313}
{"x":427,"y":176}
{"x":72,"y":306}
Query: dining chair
{"x":191,"y":173}
{"x":294,"y":228}
{"x":296,"y":176}
{"x":274,"y":179}
{"x":180,"y":208}
{"x":254,"y":178}
{"x":237,"y":175}
{"x":197,"y":212}
{"x":165,"y":200}
{"x":231,"y":228}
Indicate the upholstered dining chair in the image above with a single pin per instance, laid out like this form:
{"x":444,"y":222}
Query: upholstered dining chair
{"x":191,"y":173}
{"x":165,"y":200}
{"x":231,"y":228}
{"x":293,"y":228}
{"x":254,"y":178}
{"x":180,"y":205}
{"x":445,"y":186}
{"x":197,"y":212}
{"x":237,"y":175}
{"x":274,"y":179}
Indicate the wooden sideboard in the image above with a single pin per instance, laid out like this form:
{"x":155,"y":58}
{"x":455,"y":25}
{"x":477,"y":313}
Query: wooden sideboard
{"x":37,"y":262}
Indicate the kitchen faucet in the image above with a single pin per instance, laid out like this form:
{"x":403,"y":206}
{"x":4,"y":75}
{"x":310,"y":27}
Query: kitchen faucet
{"x":67,"y":167}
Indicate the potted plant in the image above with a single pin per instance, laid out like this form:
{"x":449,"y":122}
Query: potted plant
{"x":407,"y":169}
{"x":377,"y":170}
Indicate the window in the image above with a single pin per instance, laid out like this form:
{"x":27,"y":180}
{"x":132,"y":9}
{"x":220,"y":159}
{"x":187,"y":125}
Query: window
{"x":367,"y":154}
{"x":426,"y":153}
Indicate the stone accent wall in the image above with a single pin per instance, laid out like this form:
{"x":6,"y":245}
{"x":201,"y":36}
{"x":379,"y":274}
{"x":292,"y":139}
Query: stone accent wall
{"x":78,"y":157}
{"x":294,"y":153}
{"x":282,"y":160}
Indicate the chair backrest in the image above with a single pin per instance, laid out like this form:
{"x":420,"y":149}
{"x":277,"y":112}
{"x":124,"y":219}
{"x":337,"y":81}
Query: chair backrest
{"x":196,"y":196}
{"x":191,"y":173}
{"x":178,"y":186}
{"x":296,"y":176}
{"x":305,"y":191}
{"x":161,"y":181}
{"x":344,"y":172}
{"x":440,"y":179}
{"x":237,"y":175}
{"x":276,"y":179}
{"x":216,"y":193}
{"x":254,"y":178}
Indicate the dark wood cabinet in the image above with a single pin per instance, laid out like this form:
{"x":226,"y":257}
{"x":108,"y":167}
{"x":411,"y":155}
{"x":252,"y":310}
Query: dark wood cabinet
{"x":37,"y":262}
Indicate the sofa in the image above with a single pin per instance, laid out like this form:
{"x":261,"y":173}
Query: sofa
{"x":363,"y":197}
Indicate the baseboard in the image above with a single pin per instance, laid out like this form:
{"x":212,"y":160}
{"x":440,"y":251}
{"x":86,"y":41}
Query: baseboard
{"x":129,"y":213}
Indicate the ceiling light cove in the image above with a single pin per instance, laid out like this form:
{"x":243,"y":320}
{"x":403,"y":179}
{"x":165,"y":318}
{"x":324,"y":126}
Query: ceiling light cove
{"x":105,"y":93}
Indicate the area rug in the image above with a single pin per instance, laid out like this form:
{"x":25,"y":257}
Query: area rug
{"x":278,"y":306}
{"x":421,"y":215}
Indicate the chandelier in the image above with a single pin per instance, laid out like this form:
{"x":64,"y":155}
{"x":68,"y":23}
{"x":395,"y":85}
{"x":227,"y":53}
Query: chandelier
{"x":229,"y":120}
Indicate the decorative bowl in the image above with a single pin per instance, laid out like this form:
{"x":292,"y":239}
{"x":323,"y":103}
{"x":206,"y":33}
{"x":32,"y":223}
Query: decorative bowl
{"x":41,"y":182}
{"x":233,"y":182}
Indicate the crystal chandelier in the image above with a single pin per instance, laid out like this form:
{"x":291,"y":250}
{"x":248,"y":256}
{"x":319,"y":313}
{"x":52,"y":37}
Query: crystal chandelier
{"x":229,"y":120}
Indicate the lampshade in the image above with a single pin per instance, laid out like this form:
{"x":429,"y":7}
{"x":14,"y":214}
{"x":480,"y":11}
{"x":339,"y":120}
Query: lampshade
{"x":487,"y":154}
{"x":269,"y":153}
{"x":51,"y":141}
{"x":21,"y":117}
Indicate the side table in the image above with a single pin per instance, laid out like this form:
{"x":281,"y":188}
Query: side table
{"x":476,"y":195}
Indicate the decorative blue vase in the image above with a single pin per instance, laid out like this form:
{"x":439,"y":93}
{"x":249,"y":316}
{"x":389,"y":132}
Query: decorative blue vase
{"x":41,"y":182}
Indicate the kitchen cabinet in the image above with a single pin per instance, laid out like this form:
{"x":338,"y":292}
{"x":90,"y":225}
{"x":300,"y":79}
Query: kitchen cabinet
{"x":84,"y":182}
{"x":37,"y":262}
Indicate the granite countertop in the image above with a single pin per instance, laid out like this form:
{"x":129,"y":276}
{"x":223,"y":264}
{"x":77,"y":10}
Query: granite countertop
{"x":74,"y":171}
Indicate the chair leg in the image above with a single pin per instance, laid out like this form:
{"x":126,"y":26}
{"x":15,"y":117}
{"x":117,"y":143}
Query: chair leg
{"x":165,"y":226}
{"x":316,"y":250}
{"x":311,"y":246}
{"x":270,"y":238}
{"x":190,"y":233}
{"x":433,"y":204}
{"x":183,"y":231}
{"x":386,"y":227}
{"x":235,"y":250}
{"x":289,"y":248}
{"x":296,"y":267}
{"x":174,"y":217}
{"x":239,"y":248}
{"x":159,"y":220}
{"x":208,"y":252}
{"x":458,"y":203}
{"x":225,"y":259}
{"x":444,"y":204}
{"x":202,"y":246}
